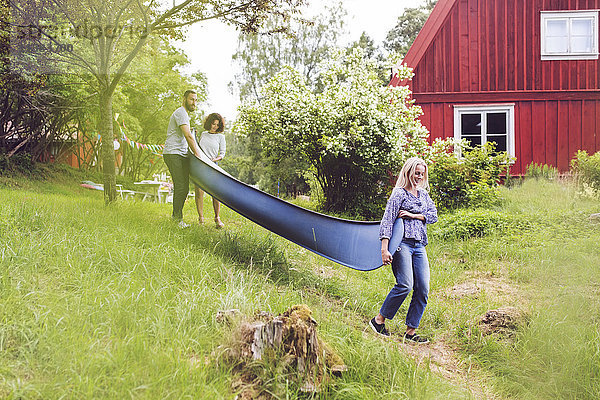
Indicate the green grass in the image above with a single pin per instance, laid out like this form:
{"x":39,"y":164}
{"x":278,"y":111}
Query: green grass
{"x":556,"y":266}
{"x":117,"y":302}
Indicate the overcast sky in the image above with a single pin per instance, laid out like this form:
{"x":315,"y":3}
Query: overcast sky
{"x":376,"y":17}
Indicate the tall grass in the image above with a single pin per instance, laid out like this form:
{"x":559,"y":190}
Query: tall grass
{"x":556,"y":355}
{"x":117,"y":302}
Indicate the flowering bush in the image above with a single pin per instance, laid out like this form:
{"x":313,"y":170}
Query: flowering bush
{"x":352,"y":133}
{"x":468,"y":180}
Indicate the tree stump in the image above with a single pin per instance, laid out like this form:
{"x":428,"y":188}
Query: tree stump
{"x":292,"y":339}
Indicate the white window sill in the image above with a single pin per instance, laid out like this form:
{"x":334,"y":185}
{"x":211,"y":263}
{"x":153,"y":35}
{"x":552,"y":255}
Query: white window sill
{"x":590,"y":56}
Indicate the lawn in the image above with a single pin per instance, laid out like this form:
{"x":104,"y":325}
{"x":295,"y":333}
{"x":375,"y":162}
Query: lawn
{"x":117,"y":302}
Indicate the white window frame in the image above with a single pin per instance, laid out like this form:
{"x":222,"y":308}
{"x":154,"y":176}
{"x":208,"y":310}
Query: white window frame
{"x":483,"y":109}
{"x":569,"y":16}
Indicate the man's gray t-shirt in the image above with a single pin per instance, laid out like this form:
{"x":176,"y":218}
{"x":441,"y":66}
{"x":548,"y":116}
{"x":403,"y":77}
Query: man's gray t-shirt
{"x":176,"y":142}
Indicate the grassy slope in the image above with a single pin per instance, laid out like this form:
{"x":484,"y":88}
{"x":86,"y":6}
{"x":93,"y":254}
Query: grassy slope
{"x":117,"y":302}
{"x":557,"y":265}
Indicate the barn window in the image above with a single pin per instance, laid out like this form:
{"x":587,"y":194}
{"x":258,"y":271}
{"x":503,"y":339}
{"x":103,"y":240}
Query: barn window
{"x":486,"y":123}
{"x":569,"y":35}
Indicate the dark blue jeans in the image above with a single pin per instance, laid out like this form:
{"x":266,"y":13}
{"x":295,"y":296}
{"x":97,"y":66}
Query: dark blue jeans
{"x":411,"y":269}
{"x":179,"y":167}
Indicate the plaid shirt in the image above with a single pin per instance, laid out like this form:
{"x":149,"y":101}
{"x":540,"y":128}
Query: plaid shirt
{"x":416,"y":229}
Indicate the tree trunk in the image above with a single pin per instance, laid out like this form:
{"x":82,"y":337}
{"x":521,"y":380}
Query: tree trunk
{"x":108,"y":151}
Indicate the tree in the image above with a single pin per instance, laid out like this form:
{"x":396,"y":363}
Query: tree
{"x":105,"y":36}
{"x":400,"y":38}
{"x":371,"y":51}
{"x":259,"y":57}
{"x":146,"y":100}
{"x":353,"y":133}
{"x":36,"y":113}
{"x":34,"y":108}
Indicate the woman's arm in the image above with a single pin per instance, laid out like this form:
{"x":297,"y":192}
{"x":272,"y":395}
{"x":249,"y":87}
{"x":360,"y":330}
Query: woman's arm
{"x":390,"y":215}
{"x":386,"y":256}
{"x":387,"y":224}
{"x":430,"y":215}
{"x":222,"y":148}
{"x":406,"y":214}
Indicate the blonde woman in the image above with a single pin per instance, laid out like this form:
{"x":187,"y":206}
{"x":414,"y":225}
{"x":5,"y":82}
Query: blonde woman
{"x":411,"y":202}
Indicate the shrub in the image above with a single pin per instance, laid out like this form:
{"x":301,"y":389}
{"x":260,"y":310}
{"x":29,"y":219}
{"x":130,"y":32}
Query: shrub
{"x":469,"y":180}
{"x":539,"y":171}
{"x":587,"y":170}
{"x":351,"y":132}
{"x":20,"y":163}
{"x":464,"y":224}
{"x":482,"y":194}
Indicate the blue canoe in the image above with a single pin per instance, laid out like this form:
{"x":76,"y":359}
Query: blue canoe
{"x":354,"y":244}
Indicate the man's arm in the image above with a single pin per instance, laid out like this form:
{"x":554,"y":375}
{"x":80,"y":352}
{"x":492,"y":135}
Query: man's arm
{"x":190,"y":139}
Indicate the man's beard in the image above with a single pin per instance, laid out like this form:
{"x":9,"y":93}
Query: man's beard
{"x":190,"y":107}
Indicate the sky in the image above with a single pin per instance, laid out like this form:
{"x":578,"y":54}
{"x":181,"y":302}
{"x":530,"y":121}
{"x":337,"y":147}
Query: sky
{"x":211,"y":44}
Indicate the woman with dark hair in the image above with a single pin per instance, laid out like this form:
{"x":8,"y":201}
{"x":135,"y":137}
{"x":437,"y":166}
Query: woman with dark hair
{"x":212,"y":143}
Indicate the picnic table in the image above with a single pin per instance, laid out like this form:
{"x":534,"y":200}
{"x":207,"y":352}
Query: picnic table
{"x":148,"y":190}
{"x":152,"y":190}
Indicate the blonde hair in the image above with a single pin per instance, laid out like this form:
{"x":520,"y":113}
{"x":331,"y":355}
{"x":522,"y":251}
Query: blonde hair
{"x":407,"y":174}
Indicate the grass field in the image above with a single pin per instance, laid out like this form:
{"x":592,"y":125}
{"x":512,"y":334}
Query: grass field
{"x":117,"y":302}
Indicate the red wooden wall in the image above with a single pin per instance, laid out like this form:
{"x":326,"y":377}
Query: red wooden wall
{"x":546,"y":132}
{"x":488,"y":51}
{"x":494,"y":45}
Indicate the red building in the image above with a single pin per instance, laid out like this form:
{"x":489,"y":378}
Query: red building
{"x":522,"y":73}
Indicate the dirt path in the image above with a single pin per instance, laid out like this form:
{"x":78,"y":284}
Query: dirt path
{"x":443,"y":357}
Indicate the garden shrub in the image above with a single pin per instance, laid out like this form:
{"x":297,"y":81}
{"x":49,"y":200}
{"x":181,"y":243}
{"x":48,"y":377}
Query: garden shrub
{"x":469,"y":180}
{"x":539,"y":171}
{"x":20,"y":163}
{"x":482,"y":194}
{"x":349,"y":133}
{"x":463,"y":224}
{"x":587,"y":170}
{"x":353,"y":132}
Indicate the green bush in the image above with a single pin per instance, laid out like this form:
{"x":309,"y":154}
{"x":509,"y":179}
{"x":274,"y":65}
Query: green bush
{"x":587,"y":170}
{"x":470,"y":180}
{"x":539,"y":171}
{"x":20,"y":163}
{"x":351,"y":131}
{"x":464,"y":224}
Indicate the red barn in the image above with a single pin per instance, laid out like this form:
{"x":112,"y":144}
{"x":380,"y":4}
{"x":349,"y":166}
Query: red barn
{"x":522,"y":73}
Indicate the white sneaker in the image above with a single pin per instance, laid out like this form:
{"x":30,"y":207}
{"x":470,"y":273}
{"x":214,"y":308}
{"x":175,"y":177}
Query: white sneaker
{"x":183,"y":225}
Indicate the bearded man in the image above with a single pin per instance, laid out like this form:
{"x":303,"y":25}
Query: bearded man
{"x":175,"y":154}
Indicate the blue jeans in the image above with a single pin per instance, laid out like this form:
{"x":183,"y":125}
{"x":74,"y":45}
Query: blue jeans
{"x":411,"y":269}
